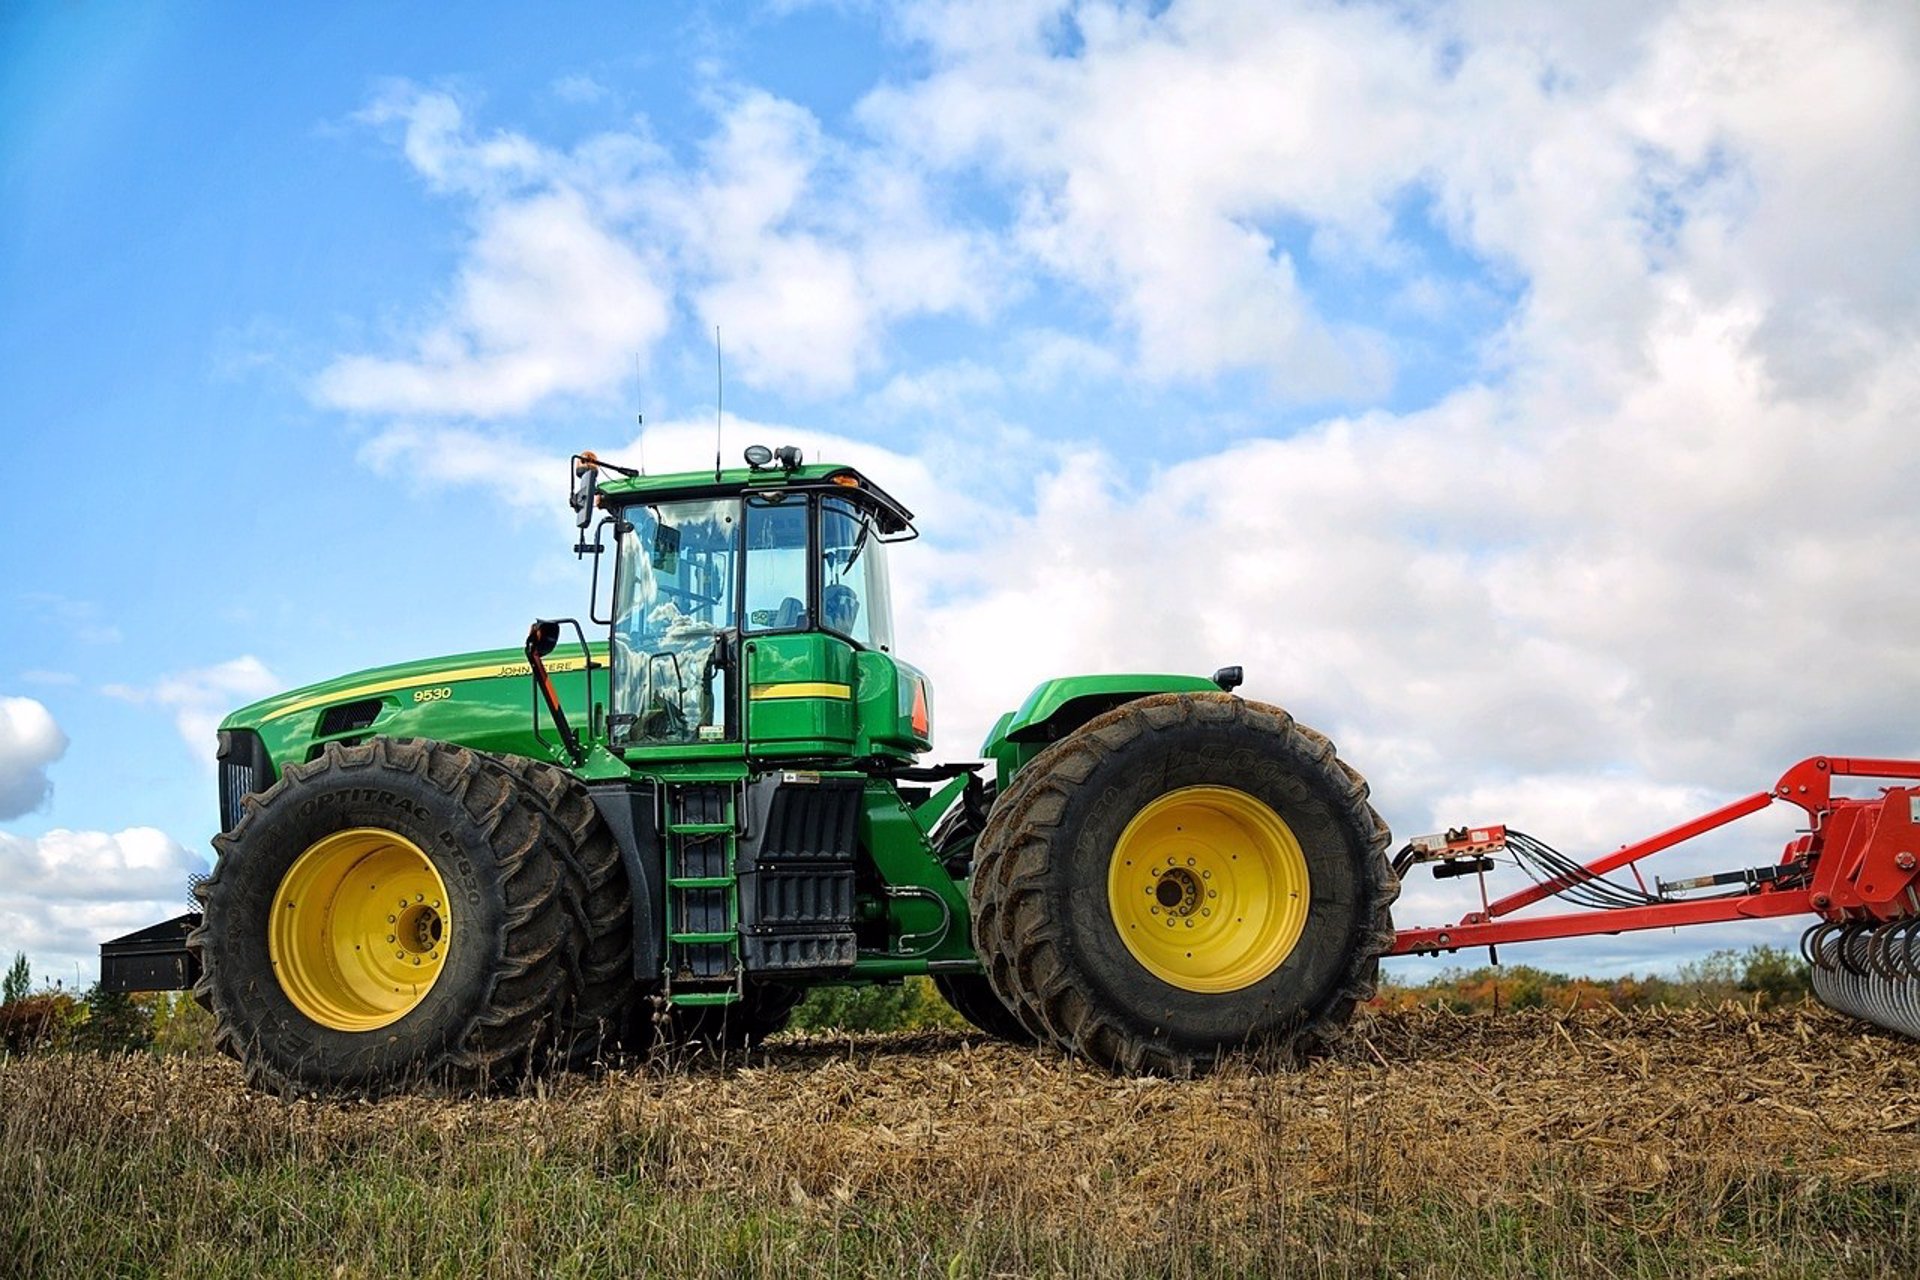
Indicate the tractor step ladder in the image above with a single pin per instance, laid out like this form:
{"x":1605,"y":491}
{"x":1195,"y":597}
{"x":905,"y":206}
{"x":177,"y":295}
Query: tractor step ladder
{"x":703,"y":895}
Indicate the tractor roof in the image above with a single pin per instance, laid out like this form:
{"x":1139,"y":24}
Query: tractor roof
{"x":821,"y":477}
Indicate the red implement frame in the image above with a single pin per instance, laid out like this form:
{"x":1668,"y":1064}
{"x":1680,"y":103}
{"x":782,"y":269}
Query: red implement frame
{"x":1860,"y":861}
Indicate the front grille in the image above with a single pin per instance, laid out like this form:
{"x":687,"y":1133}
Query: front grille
{"x":236,"y":780}
{"x":244,"y":769}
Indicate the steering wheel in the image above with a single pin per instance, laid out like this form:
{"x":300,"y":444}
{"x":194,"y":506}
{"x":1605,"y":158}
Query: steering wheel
{"x":662,"y":717}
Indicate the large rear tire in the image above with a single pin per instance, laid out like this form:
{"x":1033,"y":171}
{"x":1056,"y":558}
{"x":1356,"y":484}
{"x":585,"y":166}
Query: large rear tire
{"x":1184,"y":876}
{"x":387,"y":916}
{"x":972,"y":996}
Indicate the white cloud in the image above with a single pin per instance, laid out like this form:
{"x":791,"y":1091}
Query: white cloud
{"x":934,"y":391}
{"x":530,"y":479}
{"x":1157,"y":161}
{"x":82,"y":620}
{"x":66,"y":892}
{"x":519,"y":474}
{"x":200,"y":698}
{"x":579,"y":88}
{"x":1052,"y":358}
{"x":549,"y":302}
{"x":800,"y":248}
{"x":29,"y":742}
{"x":97,"y":866}
{"x":1761,"y":146}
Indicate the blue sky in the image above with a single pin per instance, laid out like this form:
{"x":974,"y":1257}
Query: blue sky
{"x":1493,"y":382}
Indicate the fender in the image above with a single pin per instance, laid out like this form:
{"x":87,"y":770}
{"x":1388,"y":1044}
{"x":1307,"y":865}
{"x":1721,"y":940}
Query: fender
{"x":631,"y":811}
{"x":1057,"y":707}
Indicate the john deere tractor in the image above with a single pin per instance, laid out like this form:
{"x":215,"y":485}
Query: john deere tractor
{"x":667,"y":828}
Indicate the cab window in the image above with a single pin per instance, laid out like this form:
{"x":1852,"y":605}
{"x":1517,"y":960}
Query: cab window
{"x":853,"y":576}
{"x":673,"y":598}
{"x":776,"y":590}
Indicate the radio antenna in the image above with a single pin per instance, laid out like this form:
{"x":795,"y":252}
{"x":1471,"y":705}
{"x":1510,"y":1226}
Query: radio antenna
{"x":719,"y":400}
{"x":639,"y":418}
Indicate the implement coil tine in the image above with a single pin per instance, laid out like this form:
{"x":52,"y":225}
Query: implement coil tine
{"x":1880,"y":952}
{"x":1807,"y":951}
{"x":1871,"y":971}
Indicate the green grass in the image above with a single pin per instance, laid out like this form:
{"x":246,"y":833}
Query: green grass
{"x":479,"y":1207}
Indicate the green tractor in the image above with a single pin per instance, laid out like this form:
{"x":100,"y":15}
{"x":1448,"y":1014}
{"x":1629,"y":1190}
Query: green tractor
{"x":458,"y":871}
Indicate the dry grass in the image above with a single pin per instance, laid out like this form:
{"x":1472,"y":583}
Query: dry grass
{"x":1691,"y":1142}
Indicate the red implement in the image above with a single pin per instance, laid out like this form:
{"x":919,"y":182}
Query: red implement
{"x":1859,"y":863}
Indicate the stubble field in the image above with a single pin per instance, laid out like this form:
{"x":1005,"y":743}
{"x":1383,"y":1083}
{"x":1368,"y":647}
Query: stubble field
{"x":1722,"y":1142}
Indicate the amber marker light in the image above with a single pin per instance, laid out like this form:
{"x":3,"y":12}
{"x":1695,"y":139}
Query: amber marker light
{"x":922,"y":722}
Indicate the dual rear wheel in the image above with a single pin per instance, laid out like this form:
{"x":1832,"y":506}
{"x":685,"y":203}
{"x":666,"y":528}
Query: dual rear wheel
{"x":1183,"y":877}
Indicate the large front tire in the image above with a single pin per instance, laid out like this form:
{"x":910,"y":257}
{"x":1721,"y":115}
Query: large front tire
{"x":600,"y":982}
{"x":389,"y":915}
{"x":1184,"y":876}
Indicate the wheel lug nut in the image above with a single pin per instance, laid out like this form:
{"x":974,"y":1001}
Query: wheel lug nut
{"x":392,"y":919}
{"x":1189,"y":925}
{"x":1213,"y":893}
{"x":1189,"y":861}
{"x":1155,"y":910}
{"x":391,"y":938}
{"x":1206,"y":875}
{"x":419,"y":897}
{"x":1206,"y":911}
{"x":399,"y":955}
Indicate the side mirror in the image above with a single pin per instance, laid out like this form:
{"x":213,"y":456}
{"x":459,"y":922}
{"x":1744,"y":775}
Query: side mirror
{"x":541,"y":637}
{"x":586,"y":476}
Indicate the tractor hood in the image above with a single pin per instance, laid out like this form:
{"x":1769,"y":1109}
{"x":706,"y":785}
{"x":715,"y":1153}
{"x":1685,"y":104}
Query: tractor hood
{"x":482,"y":700}
{"x":396,"y":679}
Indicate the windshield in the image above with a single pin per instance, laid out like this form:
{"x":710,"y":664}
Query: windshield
{"x":853,"y":576}
{"x":674,"y":597}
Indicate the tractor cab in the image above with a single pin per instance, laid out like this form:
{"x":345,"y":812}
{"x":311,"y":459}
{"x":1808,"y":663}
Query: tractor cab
{"x":751,"y":609}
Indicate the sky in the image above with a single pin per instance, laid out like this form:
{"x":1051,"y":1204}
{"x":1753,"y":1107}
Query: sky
{"x":1523,"y":394}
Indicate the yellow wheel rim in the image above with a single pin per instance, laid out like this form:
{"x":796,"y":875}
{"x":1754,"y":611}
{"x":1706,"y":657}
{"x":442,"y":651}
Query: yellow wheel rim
{"x":360,"y":929}
{"x":1208,"y":889}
